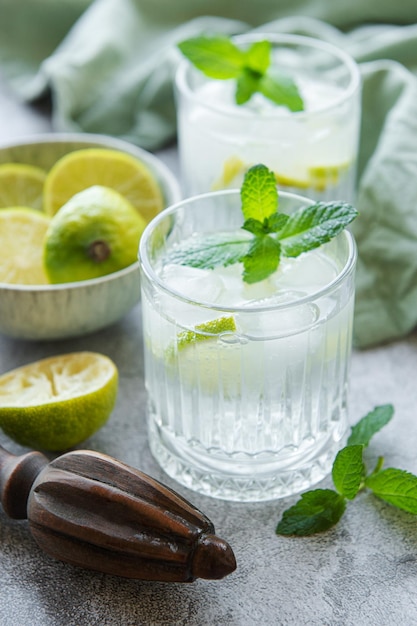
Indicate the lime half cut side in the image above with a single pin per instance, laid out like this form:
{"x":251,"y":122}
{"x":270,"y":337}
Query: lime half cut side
{"x":56,"y":403}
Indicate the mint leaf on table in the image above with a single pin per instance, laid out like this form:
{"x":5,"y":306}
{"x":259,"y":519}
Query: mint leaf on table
{"x":315,"y":512}
{"x":310,"y":227}
{"x":219,"y":58}
{"x":348,"y":471}
{"x":364,"y":430}
{"x":320,"y":509}
{"x":395,"y":486}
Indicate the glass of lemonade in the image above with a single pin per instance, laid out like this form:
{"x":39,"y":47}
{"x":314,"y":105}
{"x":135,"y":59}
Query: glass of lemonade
{"x":247,"y":383}
{"x":311,"y":152}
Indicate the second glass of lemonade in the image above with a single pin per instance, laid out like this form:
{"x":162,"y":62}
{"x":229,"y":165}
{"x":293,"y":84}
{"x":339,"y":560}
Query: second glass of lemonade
{"x":247,"y":383}
{"x":312,"y":152}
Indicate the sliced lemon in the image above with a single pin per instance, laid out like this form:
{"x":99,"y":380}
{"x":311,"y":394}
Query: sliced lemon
{"x":96,"y":232}
{"x":317,"y":177}
{"x":288,"y":181}
{"x":21,"y":185}
{"x":232,"y":168}
{"x":22,"y":232}
{"x":110,"y":168}
{"x":324,"y":176}
{"x":56,"y":403}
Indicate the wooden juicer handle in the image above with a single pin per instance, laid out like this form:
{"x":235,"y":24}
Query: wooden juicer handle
{"x":93,"y":511}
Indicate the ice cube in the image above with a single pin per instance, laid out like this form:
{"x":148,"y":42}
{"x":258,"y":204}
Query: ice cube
{"x":308,"y":272}
{"x":192,"y":283}
{"x":278,"y":322}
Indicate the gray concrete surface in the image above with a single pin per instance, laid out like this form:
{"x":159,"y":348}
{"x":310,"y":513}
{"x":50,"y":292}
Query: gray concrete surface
{"x":362,"y":573}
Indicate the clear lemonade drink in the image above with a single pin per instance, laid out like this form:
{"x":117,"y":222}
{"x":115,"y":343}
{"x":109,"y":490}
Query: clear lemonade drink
{"x":247,"y":383}
{"x":311,"y":151}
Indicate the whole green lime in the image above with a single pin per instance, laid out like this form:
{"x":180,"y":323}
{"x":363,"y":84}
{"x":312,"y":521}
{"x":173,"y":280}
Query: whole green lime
{"x":95,"y":233}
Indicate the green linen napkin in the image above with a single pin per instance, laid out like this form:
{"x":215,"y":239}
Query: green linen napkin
{"x":109,"y":66}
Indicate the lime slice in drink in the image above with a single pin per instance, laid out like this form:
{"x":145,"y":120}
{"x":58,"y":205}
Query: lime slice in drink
{"x":207,"y":357}
{"x":21,"y":185}
{"x":56,"y":403}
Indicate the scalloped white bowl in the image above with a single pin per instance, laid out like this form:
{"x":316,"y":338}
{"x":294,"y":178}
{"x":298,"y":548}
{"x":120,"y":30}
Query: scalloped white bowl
{"x":45,"y":312}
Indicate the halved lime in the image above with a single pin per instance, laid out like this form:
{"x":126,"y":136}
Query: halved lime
{"x":56,"y":403}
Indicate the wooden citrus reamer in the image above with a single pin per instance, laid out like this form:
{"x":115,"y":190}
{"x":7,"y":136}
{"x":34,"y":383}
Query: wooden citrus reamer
{"x":93,"y":511}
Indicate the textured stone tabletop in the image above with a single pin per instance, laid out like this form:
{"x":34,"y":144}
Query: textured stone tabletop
{"x":362,"y":573}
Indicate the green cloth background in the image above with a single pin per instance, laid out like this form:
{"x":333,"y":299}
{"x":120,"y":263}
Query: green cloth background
{"x":109,"y":65}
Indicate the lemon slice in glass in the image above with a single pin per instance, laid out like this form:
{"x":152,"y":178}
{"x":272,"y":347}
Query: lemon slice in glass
{"x":21,"y":185}
{"x":95,"y":233}
{"x":56,"y":403}
{"x":22,"y":232}
{"x":110,"y":168}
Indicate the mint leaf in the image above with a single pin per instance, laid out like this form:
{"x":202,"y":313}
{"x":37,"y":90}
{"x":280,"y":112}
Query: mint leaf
{"x":348,"y":471}
{"x":259,"y":193}
{"x":247,"y":84}
{"x":282,"y":90}
{"x":220,"y":58}
{"x":262,"y":259}
{"x":276,"y":222}
{"x":256,"y":227}
{"x":364,"y":430}
{"x":306,"y":229}
{"x":258,"y":57}
{"x":395,"y":486}
{"x":207,"y":251}
{"x":316,"y":511}
{"x":311,"y":226}
{"x":217,"y":57}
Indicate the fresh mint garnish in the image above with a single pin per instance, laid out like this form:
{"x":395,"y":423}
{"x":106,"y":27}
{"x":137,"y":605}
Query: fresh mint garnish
{"x":266,"y":234}
{"x":221,"y":59}
{"x":321,"y":509}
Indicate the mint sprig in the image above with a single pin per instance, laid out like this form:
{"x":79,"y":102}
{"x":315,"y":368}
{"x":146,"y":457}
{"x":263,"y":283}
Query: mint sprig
{"x":266,"y":235}
{"x":320,"y":509}
{"x":219,"y":58}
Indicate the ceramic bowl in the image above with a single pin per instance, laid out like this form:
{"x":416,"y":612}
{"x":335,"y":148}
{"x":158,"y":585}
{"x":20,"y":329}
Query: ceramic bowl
{"x":44,"y":312}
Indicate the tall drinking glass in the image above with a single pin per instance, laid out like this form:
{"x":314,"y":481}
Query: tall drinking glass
{"x":312,"y":152}
{"x":247,"y":383}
